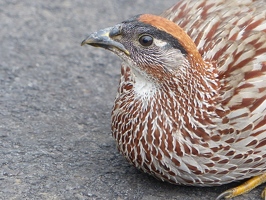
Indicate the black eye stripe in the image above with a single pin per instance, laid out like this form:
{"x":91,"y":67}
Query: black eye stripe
{"x":146,"y":40}
{"x":146,"y":29}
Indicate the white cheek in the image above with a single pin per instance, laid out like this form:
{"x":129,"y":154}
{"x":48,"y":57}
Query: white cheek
{"x":173,"y":58}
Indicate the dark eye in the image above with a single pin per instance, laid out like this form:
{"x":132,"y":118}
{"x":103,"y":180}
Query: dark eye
{"x":146,"y":40}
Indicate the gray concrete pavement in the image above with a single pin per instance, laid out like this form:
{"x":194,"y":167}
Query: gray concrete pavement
{"x":55,"y":104}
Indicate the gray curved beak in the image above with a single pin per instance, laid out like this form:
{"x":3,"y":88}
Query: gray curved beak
{"x":103,"y":39}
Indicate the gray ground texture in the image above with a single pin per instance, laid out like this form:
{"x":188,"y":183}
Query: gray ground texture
{"x":55,"y":104}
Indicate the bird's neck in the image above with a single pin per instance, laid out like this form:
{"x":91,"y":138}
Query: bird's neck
{"x":190,"y":96}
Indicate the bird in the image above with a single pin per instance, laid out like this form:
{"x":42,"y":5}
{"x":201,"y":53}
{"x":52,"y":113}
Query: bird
{"x":191,"y":103}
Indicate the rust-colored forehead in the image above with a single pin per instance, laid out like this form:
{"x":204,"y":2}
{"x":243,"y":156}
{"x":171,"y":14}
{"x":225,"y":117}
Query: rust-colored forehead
{"x":170,"y":28}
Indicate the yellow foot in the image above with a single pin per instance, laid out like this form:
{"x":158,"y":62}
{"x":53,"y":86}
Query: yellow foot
{"x":245,"y":187}
{"x":263,"y":194}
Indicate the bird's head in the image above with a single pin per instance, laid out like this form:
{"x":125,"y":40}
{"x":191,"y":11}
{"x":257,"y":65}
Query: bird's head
{"x":150,"y":45}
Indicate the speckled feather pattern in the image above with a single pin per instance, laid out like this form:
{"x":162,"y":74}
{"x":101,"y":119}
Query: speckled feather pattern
{"x":202,"y":127}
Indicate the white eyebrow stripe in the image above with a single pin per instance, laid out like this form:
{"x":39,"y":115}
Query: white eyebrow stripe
{"x":159,"y":43}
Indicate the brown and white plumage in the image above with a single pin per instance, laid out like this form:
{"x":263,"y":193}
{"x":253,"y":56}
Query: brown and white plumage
{"x":231,"y":35}
{"x":191,"y":107}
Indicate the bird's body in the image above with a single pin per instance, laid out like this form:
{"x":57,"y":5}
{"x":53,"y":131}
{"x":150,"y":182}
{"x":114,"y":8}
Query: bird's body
{"x":191,"y":106}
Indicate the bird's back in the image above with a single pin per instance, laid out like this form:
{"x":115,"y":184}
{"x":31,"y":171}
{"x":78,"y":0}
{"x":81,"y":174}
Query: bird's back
{"x":231,"y":35}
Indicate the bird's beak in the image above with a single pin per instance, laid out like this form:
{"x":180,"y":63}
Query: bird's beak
{"x":103,"y":38}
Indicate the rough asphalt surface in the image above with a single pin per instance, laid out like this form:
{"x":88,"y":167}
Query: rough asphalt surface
{"x":55,"y":104}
